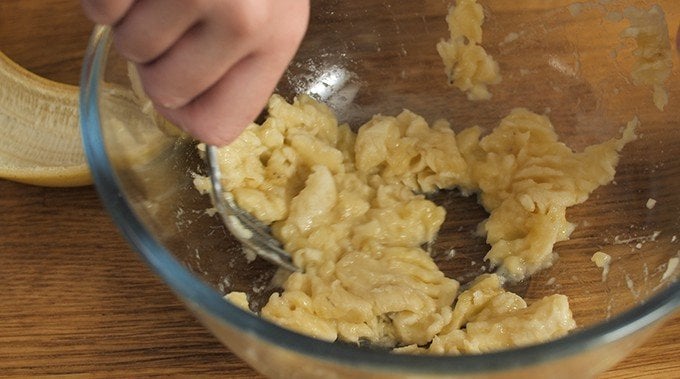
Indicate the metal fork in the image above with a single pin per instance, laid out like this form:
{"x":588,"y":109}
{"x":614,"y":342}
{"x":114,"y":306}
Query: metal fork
{"x":250,"y":231}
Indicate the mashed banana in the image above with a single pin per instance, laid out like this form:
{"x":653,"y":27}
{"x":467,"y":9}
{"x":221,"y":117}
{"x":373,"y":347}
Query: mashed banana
{"x":467,"y":65}
{"x":350,"y":209}
{"x":488,"y":318}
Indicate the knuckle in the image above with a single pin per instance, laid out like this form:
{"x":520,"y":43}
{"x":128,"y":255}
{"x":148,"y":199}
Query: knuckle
{"x":127,"y":48}
{"x":161,"y":91}
{"x":247,"y":18}
{"x":133,"y":46}
{"x":210,"y":124}
{"x":106,"y":12}
{"x":196,"y":4}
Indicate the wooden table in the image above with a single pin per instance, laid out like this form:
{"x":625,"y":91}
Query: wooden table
{"x":75,"y":299}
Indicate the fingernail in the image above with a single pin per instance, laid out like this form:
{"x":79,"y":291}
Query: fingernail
{"x":172,"y":104}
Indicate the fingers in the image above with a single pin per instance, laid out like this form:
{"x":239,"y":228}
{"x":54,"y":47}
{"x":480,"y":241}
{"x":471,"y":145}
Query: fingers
{"x":211,"y":49}
{"x":224,"y":33}
{"x":220,"y":113}
{"x":106,"y":12}
{"x":218,"y":116}
{"x":151,"y":27}
{"x":194,"y":63}
{"x":207,"y":65}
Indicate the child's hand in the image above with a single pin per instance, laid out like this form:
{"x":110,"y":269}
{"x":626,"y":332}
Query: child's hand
{"x":208,"y":65}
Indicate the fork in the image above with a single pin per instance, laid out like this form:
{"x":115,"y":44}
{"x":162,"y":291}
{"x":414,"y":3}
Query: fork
{"x":250,"y":231}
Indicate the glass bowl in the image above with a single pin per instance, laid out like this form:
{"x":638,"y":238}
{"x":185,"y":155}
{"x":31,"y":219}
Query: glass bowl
{"x":362,"y":58}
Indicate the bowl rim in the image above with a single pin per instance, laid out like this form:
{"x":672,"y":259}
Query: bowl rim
{"x":196,"y":293}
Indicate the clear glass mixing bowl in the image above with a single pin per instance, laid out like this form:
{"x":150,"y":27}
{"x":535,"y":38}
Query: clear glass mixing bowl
{"x":379,"y":56}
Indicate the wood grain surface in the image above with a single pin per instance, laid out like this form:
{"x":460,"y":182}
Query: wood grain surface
{"x":77,"y":301}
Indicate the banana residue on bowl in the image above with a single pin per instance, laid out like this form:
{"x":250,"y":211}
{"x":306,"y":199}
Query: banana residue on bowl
{"x":351,"y":209}
{"x":603,"y":261}
{"x":649,"y":29}
{"x":653,"y":62}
